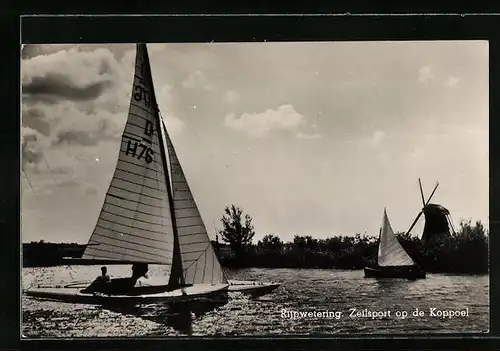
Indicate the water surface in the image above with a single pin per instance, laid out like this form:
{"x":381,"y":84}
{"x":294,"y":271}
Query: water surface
{"x":325,"y":293}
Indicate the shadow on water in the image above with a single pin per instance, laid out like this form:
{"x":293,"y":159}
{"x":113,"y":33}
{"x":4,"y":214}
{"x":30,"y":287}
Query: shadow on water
{"x":180,"y":317}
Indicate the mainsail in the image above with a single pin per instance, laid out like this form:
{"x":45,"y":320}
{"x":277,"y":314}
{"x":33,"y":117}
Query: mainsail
{"x":390,"y":251}
{"x":135,"y":222}
{"x":199,"y":260}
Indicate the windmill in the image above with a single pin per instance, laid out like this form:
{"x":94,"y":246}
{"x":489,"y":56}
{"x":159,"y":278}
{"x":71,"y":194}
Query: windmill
{"x":437,"y":218}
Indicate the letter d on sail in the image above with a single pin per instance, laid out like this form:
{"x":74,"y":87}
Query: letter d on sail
{"x":148,"y":129}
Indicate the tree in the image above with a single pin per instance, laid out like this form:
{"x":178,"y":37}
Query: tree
{"x":238,"y":230}
{"x":270,"y":242}
{"x":299,"y":242}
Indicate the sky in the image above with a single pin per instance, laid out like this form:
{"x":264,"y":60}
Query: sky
{"x":308,"y":138}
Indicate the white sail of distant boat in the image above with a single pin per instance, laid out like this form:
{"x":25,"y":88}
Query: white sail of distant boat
{"x":390,"y":251}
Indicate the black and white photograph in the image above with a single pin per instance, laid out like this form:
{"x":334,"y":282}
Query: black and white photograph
{"x":255,"y":189}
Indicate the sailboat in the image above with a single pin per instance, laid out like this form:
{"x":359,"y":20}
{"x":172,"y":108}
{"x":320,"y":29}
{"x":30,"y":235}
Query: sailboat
{"x":151,"y":217}
{"x":393,"y":261}
{"x":148,"y":218}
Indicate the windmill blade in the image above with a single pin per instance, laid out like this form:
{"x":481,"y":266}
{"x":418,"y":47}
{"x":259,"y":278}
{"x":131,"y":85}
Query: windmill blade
{"x":414,"y":222}
{"x":421,"y":191}
{"x":450,"y":222}
{"x":429,"y":199}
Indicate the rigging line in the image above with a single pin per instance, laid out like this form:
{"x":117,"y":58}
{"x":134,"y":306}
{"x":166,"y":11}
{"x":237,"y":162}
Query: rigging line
{"x":70,"y":271}
{"x":29,"y":182}
{"x":50,"y":170}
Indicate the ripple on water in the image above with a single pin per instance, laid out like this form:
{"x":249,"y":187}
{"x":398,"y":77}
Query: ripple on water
{"x":301,"y":291}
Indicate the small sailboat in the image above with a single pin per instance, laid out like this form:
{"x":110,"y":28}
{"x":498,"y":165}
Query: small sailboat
{"x":393,"y":261}
{"x":148,"y":218}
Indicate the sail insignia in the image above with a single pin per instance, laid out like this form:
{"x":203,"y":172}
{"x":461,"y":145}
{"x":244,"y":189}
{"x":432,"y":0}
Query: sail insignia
{"x":390,"y":252}
{"x":135,"y":222}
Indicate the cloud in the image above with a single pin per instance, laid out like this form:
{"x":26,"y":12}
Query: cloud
{"x":174,"y":125}
{"x":231,"y":97}
{"x":259,"y":124}
{"x":301,"y":135}
{"x":87,"y":130}
{"x":452,"y":81}
{"x":72,"y":97}
{"x":424,"y":74}
{"x":197,"y":79}
{"x":33,"y":143}
{"x":373,"y":140}
{"x":55,"y":85}
{"x":377,"y":137}
{"x":32,"y":50}
{"x":74,"y":107}
{"x":165,"y":100}
{"x":71,"y":74}
{"x":29,"y":51}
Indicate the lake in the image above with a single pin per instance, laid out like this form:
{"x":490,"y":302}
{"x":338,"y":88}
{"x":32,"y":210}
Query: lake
{"x":309,"y":302}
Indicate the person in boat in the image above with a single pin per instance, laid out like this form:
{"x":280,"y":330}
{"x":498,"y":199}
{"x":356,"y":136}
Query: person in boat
{"x":104,"y":277}
{"x":98,"y":282}
{"x":120,"y":286}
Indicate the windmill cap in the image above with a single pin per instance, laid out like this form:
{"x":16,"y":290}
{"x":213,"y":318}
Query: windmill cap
{"x":435,"y":208}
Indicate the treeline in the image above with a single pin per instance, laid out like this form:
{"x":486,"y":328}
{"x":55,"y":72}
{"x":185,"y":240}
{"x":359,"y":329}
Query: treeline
{"x":464,"y":252}
{"x":42,"y":254}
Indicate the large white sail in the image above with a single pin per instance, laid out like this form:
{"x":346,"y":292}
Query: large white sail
{"x":135,"y":221}
{"x":390,"y":251}
{"x":199,"y":262}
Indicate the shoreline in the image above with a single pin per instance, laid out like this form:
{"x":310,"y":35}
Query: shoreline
{"x":464,"y":253}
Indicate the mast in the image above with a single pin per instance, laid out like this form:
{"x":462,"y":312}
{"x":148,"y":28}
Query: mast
{"x":176,"y":271}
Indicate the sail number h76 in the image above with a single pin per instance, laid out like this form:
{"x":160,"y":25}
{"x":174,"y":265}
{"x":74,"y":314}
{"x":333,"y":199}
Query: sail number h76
{"x":144,"y":151}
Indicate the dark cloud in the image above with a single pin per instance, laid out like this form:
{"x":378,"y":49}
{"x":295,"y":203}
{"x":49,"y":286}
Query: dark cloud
{"x":63,"y":89}
{"x":30,"y":147}
{"x":105,"y":130}
{"x":30,"y":50}
{"x":34,"y":118}
{"x":55,"y":85}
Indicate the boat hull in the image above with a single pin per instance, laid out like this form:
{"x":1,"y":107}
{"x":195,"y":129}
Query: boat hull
{"x":251,"y":288}
{"x":199,"y":292}
{"x":407,"y":272}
